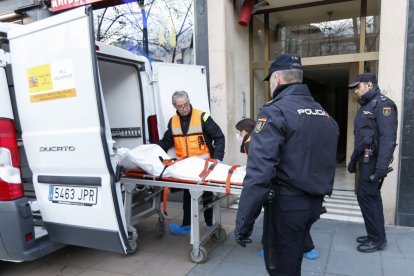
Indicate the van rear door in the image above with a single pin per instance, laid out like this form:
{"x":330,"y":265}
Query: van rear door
{"x":66,"y":132}
{"x":168,"y":78}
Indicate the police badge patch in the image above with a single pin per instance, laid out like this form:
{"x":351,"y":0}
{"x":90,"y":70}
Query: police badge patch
{"x":260,"y":124}
{"x":386,"y":111}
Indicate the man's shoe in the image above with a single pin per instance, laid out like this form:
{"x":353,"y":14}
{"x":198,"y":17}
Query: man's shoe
{"x":371,"y":246}
{"x":362,"y":239}
{"x":180,"y":230}
{"x":311,"y":255}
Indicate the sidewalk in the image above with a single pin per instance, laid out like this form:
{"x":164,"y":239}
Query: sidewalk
{"x":335,"y":241}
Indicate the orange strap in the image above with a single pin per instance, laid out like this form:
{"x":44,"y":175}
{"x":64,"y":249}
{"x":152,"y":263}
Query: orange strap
{"x":165,"y":197}
{"x":208,"y":169}
{"x":205,"y":168}
{"x":231,"y":170}
{"x":169,"y":162}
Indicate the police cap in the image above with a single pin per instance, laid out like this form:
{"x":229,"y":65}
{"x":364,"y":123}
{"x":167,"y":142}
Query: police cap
{"x":284,"y":62}
{"x":366,"y":77}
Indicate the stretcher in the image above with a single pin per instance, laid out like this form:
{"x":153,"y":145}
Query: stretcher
{"x":220,"y":189}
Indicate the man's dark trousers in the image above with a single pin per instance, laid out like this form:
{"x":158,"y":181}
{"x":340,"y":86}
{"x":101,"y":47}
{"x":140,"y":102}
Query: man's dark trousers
{"x":292,"y":217}
{"x":370,"y":202}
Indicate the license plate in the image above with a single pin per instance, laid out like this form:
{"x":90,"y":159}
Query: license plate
{"x":73,"y":195}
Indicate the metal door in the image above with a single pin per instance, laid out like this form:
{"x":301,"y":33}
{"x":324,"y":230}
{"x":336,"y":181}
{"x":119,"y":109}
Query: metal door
{"x":65,"y":131}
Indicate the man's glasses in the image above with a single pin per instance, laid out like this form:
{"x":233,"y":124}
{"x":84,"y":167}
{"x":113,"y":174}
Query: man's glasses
{"x":182,"y":106}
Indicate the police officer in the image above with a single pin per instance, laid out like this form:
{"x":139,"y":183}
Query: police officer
{"x":291,"y":167}
{"x":375,"y":130}
{"x":193,"y":133}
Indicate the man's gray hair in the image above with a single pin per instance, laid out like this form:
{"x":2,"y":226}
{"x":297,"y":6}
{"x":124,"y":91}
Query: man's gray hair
{"x":290,"y":75}
{"x":179,"y":94}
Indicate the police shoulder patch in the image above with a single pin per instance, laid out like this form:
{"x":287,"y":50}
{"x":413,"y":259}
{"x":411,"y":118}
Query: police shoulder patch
{"x":386,"y":111}
{"x":260,"y":124}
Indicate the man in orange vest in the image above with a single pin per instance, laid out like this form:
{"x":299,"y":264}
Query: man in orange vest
{"x":193,"y":133}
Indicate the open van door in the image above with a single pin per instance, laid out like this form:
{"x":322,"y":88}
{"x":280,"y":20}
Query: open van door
{"x":66,"y":132}
{"x":170,"y":77}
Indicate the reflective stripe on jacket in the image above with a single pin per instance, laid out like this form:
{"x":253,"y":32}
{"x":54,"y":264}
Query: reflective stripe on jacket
{"x":193,"y":143}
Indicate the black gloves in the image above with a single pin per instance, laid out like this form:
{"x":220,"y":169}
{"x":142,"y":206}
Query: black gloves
{"x":243,"y":239}
{"x":352,"y":166}
{"x":379,"y":174}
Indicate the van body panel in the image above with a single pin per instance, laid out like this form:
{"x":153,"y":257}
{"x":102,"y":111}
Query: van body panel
{"x":84,"y":236}
{"x":66,"y":130}
{"x":5,"y":103}
{"x":15,"y":222}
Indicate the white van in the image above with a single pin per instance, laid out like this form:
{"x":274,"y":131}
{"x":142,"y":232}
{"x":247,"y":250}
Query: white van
{"x":66,"y":106}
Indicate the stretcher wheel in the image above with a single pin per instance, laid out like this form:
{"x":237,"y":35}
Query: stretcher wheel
{"x":202,"y":255}
{"x":160,"y":229}
{"x":219,"y":235}
{"x":134,"y":247}
{"x":133,"y":240}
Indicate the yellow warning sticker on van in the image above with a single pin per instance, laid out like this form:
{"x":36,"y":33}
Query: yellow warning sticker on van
{"x":52,"y":81}
{"x":39,"y":78}
{"x":55,"y":95}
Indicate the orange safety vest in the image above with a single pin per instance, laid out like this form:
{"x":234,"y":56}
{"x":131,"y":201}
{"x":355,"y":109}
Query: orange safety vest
{"x":193,"y":143}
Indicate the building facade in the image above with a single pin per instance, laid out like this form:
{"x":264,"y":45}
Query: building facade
{"x":337,"y":40}
{"x":334,"y":49}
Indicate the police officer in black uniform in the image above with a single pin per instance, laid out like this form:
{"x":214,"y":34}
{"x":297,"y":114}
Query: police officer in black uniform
{"x":291,"y":167}
{"x":375,"y":130}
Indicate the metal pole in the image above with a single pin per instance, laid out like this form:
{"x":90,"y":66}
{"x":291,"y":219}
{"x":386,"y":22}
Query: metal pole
{"x":144,"y":28}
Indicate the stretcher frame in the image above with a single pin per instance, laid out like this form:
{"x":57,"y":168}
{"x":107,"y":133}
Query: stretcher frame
{"x":148,"y":205}
{"x":197,"y":254}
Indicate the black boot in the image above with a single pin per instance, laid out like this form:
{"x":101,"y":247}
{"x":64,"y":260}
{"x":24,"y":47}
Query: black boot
{"x":362,"y":239}
{"x":372,"y":246}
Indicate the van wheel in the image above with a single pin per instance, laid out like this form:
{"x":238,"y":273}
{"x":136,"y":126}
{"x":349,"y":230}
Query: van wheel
{"x":219,"y":235}
{"x":160,"y":229}
{"x":202,"y":255}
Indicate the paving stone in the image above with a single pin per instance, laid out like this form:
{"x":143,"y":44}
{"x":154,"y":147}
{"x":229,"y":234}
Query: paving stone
{"x":318,"y":265}
{"x":231,"y":269}
{"x":125,"y":264}
{"x":166,"y":264}
{"x":55,"y":269}
{"x":321,"y":240}
{"x":397,"y":266}
{"x":348,"y":263}
{"x":94,"y":272}
{"x":335,"y":241}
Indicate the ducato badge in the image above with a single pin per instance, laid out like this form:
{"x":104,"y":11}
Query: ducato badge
{"x":58,"y":148}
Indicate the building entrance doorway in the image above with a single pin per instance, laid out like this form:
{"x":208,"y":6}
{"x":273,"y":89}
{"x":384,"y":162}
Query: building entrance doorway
{"x":328,"y":85}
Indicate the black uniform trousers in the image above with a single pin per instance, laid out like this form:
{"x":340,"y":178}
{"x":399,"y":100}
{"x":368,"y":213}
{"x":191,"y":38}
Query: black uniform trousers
{"x":285,"y":226}
{"x":370,"y":201}
{"x":208,"y":213}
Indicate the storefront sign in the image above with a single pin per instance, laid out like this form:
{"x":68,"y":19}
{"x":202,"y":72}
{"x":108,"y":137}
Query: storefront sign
{"x":61,"y":5}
